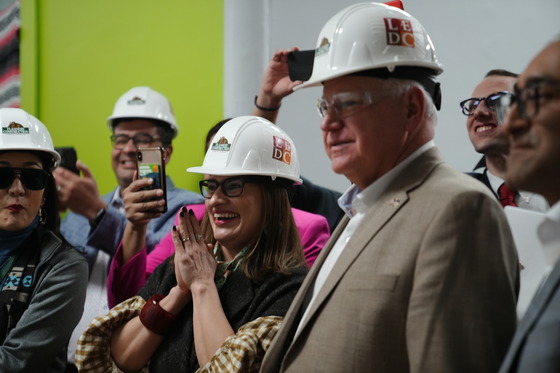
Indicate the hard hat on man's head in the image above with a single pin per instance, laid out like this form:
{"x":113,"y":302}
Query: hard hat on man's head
{"x":369,"y":36}
{"x":250,"y":145}
{"x":22,"y":131}
{"x":143,"y":103}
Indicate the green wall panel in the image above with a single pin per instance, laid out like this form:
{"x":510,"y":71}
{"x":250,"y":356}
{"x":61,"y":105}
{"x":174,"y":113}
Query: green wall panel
{"x":78,"y":57}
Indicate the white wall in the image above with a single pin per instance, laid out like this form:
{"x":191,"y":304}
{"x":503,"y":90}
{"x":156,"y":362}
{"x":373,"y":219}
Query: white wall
{"x":470,"y":38}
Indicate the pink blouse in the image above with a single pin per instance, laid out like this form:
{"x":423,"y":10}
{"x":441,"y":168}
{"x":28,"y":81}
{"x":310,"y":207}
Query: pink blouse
{"x":124,"y":280}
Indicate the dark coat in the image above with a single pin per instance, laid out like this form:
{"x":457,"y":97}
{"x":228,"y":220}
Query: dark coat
{"x":242,"y":300}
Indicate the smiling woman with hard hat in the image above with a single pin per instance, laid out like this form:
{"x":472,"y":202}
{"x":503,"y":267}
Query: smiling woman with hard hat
{"x":42,"y":278}
{"x":231,"y":278}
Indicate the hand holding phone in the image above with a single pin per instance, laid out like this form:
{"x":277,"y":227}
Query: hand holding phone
{"x":150,"y":163}
{"x":68,"y":158}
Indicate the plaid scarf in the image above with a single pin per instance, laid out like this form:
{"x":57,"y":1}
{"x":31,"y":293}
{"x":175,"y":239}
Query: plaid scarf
{"x":225,"y":268}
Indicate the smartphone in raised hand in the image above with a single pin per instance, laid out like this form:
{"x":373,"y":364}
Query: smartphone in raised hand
{"x":300,"y":64}
{"x":150,"y":163}
{"x":68,"y":158}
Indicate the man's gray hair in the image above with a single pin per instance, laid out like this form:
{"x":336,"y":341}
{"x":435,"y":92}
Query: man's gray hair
{"x":403,"y":85}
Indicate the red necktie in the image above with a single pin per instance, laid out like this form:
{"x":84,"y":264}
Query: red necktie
{"x":507,"y":196}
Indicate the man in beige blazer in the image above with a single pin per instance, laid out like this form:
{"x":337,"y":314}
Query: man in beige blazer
{"x":421,"y":274}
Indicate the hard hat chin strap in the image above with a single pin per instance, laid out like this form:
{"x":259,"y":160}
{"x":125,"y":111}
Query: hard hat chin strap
{"x":421,"y":75}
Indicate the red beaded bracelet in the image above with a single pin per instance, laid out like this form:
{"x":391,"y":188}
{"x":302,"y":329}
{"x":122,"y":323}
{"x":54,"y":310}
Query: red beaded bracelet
{"x":156,"y":318}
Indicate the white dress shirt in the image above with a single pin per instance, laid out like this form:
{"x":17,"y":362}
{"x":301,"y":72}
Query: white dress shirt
{"x":356,"y":203}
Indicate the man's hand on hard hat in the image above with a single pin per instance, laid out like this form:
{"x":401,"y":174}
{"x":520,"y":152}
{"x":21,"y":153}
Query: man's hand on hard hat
{"x":78,"y":193}
{"x":276,"y":83}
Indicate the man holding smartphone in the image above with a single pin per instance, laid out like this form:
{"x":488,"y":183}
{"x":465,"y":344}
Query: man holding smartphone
{"x":141,"y":118}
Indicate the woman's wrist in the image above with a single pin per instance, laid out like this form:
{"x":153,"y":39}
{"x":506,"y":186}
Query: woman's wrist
{"x":156,"y":318}
{"x":201,"y":288}
{"x":176,"y":300}
{"x":133,"y":241}
{"x":138,"y":229}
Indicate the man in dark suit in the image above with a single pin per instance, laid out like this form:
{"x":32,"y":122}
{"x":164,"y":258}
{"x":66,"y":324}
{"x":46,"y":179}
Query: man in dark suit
{"x":484,"y":132}
{"x":487,"y":139}
{"x":533,"y":127}
{"x":420,"y":274}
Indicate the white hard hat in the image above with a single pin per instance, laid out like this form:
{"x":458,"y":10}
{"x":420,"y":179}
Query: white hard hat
{"x":368,"y":36}
{"x":250,"y":145}
{"x":144,"y":102}
{"x":22,"y":131}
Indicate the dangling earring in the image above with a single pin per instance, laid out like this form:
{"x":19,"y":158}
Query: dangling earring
{"x":42,"y":216}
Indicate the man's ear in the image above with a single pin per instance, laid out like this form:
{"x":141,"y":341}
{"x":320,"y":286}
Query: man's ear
{"x":167,"y":151}
{"x":415,"y":105}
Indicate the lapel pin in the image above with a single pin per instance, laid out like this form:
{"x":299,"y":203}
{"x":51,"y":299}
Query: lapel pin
{"x":395,"y":202}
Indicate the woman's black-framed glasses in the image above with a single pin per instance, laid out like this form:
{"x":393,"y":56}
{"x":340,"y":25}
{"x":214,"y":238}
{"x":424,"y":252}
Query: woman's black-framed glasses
{"x":231,"y":187}
{"x":469,"y":105}
{"x":31,"y":178}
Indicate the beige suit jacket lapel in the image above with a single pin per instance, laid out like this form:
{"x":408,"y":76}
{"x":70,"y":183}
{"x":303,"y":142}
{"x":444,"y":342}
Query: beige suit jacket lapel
{"x":283,"y":341}
{"x":378,"y":215}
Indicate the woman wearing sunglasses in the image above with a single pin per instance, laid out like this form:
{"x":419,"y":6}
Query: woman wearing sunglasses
{"x":219,"y":300}
{"x":42,"y":278}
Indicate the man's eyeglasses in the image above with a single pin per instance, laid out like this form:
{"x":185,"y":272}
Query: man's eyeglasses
{"x":231,"y":187}
{"x":140,"y":140}
{"x":347,"y":103}
{"x":470,"y":104}
{"x":528,"y":99}
{"x":31,"y":178}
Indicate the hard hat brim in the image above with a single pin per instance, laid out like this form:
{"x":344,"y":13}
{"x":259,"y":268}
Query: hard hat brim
{"x":317,"y":81}
{"x":239,"y":172}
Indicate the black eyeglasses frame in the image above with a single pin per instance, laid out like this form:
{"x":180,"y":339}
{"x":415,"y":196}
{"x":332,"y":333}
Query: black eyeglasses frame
{"x":244,"y":179}
{"x":135,"y":139}
{"x":533,"y":93}
{"x":490,"y":101}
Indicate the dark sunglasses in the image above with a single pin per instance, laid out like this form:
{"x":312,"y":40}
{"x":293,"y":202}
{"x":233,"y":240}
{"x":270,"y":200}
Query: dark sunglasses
{"x":231,"y":187}
{"x":31,"y":178}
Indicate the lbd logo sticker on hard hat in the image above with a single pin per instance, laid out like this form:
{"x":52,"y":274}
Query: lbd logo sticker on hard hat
{"x":221,"y":145}
{"x":323,"y":47}
{"x":15,"y":128}
{"x":136,"y":101}
{"x":399,"y":32}
{"x":282,"y":150}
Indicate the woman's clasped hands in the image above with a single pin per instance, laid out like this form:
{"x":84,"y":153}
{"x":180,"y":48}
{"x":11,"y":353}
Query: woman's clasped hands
{"x":194,"y":258}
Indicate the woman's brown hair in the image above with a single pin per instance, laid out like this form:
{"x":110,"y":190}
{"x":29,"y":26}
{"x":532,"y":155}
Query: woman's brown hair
{"x":278,"y":248}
